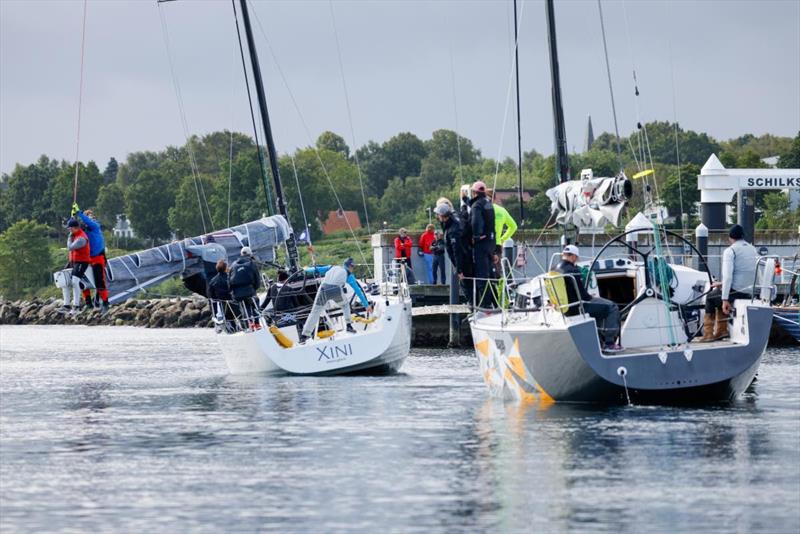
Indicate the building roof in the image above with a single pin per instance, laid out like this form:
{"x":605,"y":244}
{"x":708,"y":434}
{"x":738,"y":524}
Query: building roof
{"x":337,"y":221}
{"x":502,"y":195}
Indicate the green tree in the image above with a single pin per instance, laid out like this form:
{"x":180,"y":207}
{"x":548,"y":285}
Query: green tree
{"x":406,"y":152}
{"x":110,"y":203}
{"x":437,"y":173}
{"x":89,"y":182}
{"x":790,"y":158}
{"x":185,"y":216}
{"x":328,"y":140}
{"x":448,"y":146}
{"x":376,"y":166}
{"x":673,"y":190}
{"x":24,"y":259}
{"x":777,"y":213}
{"x":135,"y":164}
{"x":149,"y":200}
{"x":110,"y":173}
{"x":28,"y":194}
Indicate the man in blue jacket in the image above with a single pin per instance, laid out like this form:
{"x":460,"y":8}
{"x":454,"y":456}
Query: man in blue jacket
{"x":244,"y":281}
{"x":97,"y":260}
{"x":481,"y":219}
{"x":336,"y":277}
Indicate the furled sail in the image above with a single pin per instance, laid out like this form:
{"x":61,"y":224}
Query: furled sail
{"x":590,"y":202}
{"x":192,"y":257}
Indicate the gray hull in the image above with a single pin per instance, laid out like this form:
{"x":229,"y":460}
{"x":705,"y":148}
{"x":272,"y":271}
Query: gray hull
{"x":567,"y":365}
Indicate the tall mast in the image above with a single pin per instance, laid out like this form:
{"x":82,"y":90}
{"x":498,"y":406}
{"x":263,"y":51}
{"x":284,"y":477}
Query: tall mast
{"x":271,"y":152}
{"x":519,"y":131}
{"x":562,"y":158}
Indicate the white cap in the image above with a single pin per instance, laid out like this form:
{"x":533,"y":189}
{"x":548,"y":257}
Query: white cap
{"x":571,"y":249}
{"x":246,"y":251}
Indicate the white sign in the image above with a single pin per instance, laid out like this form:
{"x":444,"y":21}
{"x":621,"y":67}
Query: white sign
{"x":718,"y":184}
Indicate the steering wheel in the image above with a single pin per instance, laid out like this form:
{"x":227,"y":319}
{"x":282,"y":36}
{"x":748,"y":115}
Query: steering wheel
{"x":649,"y":290}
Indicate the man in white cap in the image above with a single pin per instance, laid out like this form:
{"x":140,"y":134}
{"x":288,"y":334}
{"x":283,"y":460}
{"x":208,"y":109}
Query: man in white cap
{"x":601,"y":309}
{"x":244,"y":282}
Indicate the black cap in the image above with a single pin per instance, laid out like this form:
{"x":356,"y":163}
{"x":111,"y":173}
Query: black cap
{"x":72,"y":222}
{"x":737,"y":232}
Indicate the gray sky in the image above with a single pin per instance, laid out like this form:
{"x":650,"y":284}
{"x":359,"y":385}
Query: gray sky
{"x":736,"y":71}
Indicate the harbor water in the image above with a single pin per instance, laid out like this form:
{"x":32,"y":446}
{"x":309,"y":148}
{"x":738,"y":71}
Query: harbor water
{"x":129,"y":429}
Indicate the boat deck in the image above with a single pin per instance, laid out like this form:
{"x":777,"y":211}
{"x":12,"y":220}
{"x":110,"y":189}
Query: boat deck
{"x":650,"y":349}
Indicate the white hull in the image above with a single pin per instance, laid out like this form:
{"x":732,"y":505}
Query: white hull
{"x":379,"y":347}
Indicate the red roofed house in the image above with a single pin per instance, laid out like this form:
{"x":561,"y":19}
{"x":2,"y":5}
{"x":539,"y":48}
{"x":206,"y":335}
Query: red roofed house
{"x":337,"y":221}
{"x":501,"y":195}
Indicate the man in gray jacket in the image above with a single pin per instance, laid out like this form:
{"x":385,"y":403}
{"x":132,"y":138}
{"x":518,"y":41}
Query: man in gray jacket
{"x":738,"y":274}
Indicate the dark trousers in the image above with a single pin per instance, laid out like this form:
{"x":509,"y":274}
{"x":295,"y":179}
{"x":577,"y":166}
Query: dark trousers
{"x":714,"y":299}
{"x":482,"y":253}
{"x":607,"y":315}
{"x":248,"y":308}
{"x":438,"y":267}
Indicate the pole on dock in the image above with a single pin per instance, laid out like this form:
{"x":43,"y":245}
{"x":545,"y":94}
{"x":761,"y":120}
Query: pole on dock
{"x":746,"y":213}
{"x":455,"y":323}
{"x":701,"y":242}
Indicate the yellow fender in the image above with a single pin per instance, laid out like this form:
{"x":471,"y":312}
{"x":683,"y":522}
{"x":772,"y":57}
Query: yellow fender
{"x":280,"y":337}
{"x":364,"y":321}
{"x":322,"y":334}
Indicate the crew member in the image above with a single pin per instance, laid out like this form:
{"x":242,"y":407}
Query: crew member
{"x":439,"y":248}
{"x":459,"y":249}
{"x":218,"y":287}
{"x":738,"y":274}
{"x":244,"y":281}
{"x":504,"y":224}
{"x":425,"y":241}
{"x":79,"y":258}
{"x":336,"y":277}
{"x":402,"y":253}
{"x":597,"y":307}
{"x":481,"y":217}
{"x":97,"y":260}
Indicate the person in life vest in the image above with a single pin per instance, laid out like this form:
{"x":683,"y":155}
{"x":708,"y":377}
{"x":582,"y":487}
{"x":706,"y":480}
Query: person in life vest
{"x":336,"y":277}
{"x":402,"y":253}
{"x":425,"y":241}
{"x":97,"y":258}
{"x":244,"y":281}
{"x":79,"y":258}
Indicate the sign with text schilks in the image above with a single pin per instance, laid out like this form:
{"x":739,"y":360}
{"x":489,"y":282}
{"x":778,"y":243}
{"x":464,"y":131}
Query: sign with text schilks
{"x":764,"y":182}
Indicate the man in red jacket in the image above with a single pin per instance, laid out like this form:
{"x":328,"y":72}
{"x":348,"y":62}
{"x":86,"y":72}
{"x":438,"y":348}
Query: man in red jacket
{"x":79,"y":258}
{"x":425,"y":241}
{"x":402,"y":253}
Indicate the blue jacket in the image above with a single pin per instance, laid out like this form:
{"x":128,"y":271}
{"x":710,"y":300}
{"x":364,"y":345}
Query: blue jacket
{"x":351,"y":281}
{"x":97,"y":243}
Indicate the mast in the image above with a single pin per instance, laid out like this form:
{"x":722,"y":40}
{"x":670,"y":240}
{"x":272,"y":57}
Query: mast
{"x":562,"y":158}
{"x":271,"y":152}
{"x":519,"y":131}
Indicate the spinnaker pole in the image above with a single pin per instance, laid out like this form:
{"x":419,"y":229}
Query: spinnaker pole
{"x":291,"y":244}
{"x":562,"y":157}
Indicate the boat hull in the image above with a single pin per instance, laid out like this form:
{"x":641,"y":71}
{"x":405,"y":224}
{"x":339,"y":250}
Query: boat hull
{"x":380,"y":348}
{"x":566,"y":364}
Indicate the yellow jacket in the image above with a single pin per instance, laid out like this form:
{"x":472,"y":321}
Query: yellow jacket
{"x":503,"y":218}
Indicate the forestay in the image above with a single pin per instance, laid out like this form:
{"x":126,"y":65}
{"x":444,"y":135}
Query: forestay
{"x":131,"y":273}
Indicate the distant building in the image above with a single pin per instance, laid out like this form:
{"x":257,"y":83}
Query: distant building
{"x":502,"y":195}
{"x":589,"y":139}
{"x":338,"y":220}
{"x":123,"y":227}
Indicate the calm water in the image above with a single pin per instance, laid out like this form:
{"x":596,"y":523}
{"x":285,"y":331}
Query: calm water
{"x":142,"y":430}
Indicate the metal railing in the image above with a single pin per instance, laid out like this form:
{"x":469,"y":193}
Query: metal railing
{"x":758,"y":288}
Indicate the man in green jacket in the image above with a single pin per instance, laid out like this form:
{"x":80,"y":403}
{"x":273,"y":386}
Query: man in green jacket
{"x":504,"y":225}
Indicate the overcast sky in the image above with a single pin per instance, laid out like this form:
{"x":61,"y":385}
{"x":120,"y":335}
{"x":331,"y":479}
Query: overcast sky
{"x":736,"y":68}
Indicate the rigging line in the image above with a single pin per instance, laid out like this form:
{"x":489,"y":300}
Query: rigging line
{"x":455,"y":112}
{"x":610,"y":85}
{"x":182,"y":113}
{"x":308,"y":135}
{"x":508,"y":100}
{"x":675,"y":120}
{"x":349,"y":114}
{"x":80,"y":106}
{"x":260,"y":154}
{"x":302,"y":206}
{"x":519,"y":127}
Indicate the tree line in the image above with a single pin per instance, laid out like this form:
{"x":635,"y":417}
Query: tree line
{"x":215,"y":180}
